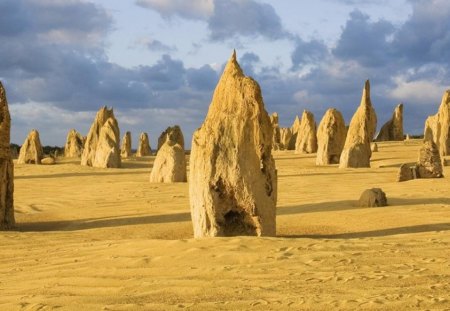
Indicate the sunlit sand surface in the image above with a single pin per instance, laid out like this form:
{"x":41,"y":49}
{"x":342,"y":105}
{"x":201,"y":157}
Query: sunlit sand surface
{"x":107,"y":239}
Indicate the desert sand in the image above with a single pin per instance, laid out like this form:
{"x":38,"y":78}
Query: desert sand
{"x":107,"y":239}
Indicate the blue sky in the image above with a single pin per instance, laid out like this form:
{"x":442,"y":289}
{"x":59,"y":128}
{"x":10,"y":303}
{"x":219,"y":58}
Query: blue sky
{"x":157,"y":61}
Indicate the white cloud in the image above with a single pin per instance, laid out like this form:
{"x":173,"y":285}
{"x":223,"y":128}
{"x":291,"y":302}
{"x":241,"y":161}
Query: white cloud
{"x":424,"y":91}
{"x":190,"y":9}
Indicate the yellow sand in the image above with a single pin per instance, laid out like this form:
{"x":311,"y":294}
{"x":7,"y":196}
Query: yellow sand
{"x":107,"y":239}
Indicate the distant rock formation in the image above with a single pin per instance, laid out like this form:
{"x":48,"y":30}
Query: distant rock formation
{"x":437,"y":127}
{"x":330,"y":137}
{"x":170,"y":164}
{"x":102,"y":144}
{"x":125,"y":149}
{"x":356,"y":152}
{"x":276,"y":135}
{"x":74,"y":144}
{"x":7,"y":220}
{"x":175,"y":132}
{"x":31,"y":151}
{"x":374,"y":147}
{"x":294,"y":129}
{"x":392,"y":129}
{"x":374,"y":197}
{"x":285,"y":138}
{"x":233,"y":181}
{"x":144,"y":146}
{"x":307,"y":136}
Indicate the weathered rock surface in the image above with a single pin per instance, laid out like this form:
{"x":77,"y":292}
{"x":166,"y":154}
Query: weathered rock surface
{"x":7,"y":220}
{"x":102,"y":144}
{"x":392,"y":129}
{"x":170,"y":164}
{"x":407,"y":172}
{"x":176,"y":134}
{"x":144,"y":146}
{"x":307,"y":135}
{"x":437,"y":127}
{"x":74,"y":144}
{"x":330,"y":137}
{"x":31,"y":151}
{"x":276,"y":135}
{"x":429,"y":165}
{"x":294,"y":129}
{"x":374,"y":147}
{"x":356,"y":152}
{"x":285,"y":138}
{"x":125,"y":149}
{"x":374,"y":197}
{"x":233,"y":181}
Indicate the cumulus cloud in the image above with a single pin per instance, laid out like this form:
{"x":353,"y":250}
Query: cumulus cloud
{"x":365,"y":41}
{"x":226,"y":19}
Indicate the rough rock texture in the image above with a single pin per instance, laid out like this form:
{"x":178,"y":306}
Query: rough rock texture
{"x":374,"y":197}
{"x":285,"y":138}
{"x":102,"y":144}
{"x":74,"y":144}
{"x":294,"y":129}
{"x":437,"y":127}
{"x":407,"y":137}
{"x":307,"y":136}
{"x":392,"y":129}
{"x":144,"y":146}
{"x":170,"y":164}
{"x":276,"y":135}
{"x":125,"y":149}
{"x":330,"y":137}
{"x":48,"y":161}
{"x":356,"y":152}
{"x":406,"y":172}
{"x":7,"y":220}
{"x":175,"y":132}
{"x":429,"y":165}
{"x":31,"y":151}
{"x":374,"y":147}
{"x":233,"y":181}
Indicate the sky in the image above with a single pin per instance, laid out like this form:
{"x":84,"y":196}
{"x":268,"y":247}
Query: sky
{"x":156,"y":62}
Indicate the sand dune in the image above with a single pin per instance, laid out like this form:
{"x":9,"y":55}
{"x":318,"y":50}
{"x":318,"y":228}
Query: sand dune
{"x":107,"y":239}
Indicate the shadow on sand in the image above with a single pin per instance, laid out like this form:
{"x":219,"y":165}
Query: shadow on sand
{"x":104,"y":222}
{"x":377,"y":233}
{"x":353,"y":205}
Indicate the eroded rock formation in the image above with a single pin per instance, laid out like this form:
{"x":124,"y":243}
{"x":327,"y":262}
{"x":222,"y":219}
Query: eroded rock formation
{"x":144,"y":146}
{"x":294,"y":129}
{"x":233,"y":181}
{"x":170,"y":164}
{"x":31,"y":151}
{"x":330,"y":137}
{"x":392,"y":129}
{"x":102,"y":144}
{"x":176,"y":134}
{"x":306,"y":135}
{"x":74,"y":144}
{"x":125,"y":149}
{"x":374,"y":197}
{"x":276,"y":135}
{"x":356,"y":152}
{"x":430,"y":163}
{"x":7,"y":220}
{"x":285,"y":138}
{"x":437,"y":127}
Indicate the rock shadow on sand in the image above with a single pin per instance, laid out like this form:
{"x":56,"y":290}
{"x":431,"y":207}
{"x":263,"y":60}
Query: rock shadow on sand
{"x":104,"y":222}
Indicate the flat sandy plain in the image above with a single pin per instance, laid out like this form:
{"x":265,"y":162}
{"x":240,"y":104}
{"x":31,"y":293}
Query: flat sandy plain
{"x":107,"y":239}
